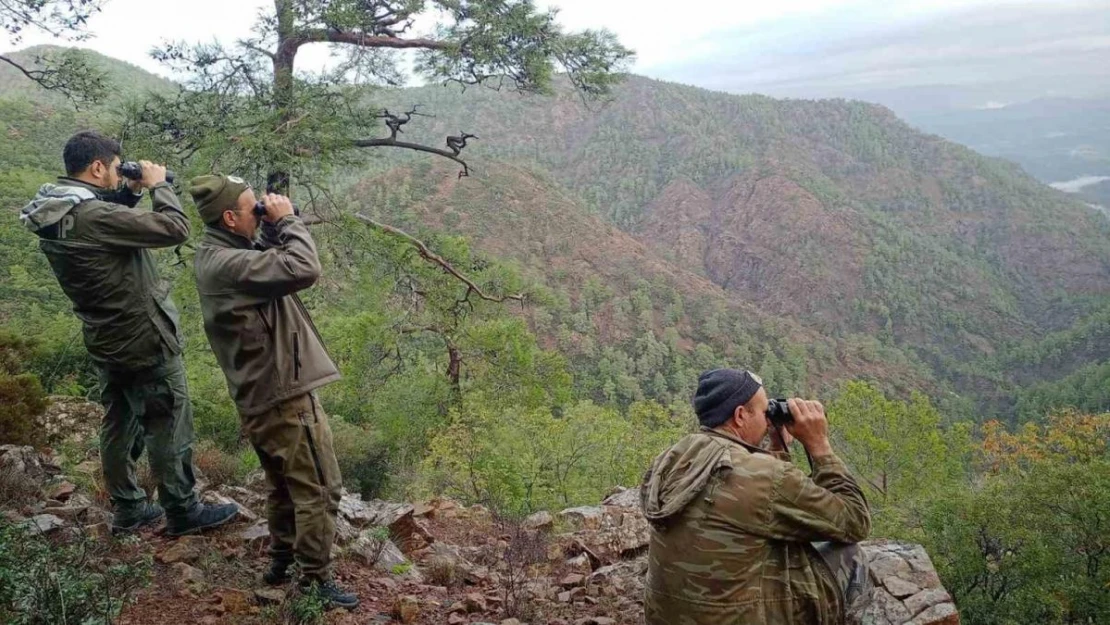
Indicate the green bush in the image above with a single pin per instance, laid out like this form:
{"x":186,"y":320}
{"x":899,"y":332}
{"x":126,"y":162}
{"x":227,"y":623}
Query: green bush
{"x":21,"y":400}
{"x":43,"y":582}
{"x":363,"y":459}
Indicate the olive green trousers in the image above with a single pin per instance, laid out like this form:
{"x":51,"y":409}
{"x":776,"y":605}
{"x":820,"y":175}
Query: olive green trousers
{"x":294,"y":446}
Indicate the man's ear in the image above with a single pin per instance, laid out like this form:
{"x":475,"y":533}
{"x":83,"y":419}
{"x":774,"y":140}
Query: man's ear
{"x":228,"y":219}
{"x":738,"y":414}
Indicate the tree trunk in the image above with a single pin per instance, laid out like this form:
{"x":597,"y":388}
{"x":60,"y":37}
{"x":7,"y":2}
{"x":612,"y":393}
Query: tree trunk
{"x":287,"y":44}
{"x":454,"y":369}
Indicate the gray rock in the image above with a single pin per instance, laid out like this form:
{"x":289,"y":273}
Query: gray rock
{"x":917,"y":603}
{"x":899,"y":587}
{"x":624,"y":498}
{"x":539,"y":521}
{"x":44,"y":523}
{"x":939,"y":614}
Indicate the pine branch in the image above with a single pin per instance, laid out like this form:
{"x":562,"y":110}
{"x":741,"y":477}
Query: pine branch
{"x":436,"y":259}
{"x":377,"y":143}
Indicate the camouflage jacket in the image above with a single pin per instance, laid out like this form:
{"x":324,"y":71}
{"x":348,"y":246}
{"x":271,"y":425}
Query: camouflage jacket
{"x":100,"y":252}
{"x":732,"y":527}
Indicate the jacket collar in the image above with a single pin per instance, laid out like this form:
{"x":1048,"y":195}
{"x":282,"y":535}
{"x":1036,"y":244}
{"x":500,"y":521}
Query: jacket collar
{"x":226,"y":238}
{"x":752,"y":448}
{"x":66,"y":181}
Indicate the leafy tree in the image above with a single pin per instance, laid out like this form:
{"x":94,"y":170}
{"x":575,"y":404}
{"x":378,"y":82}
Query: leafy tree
{"x":246,"y":108}
{"x":69,"y":72}
{"x":897,"y":448}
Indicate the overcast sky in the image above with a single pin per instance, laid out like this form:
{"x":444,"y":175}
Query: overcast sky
{"x":996,"y":51}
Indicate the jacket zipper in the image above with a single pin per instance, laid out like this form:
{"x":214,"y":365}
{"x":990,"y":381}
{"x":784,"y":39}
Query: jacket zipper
{"x":296,"y":356}
{"x":312,"y":450}
{"x":311,"y":325}
{"x":265,"y":324}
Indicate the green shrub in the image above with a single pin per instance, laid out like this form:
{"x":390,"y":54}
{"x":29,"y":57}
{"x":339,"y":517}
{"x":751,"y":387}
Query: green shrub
{"x":21,"y":400}
{"x":363,"y":459}
{"x":45,"y":582}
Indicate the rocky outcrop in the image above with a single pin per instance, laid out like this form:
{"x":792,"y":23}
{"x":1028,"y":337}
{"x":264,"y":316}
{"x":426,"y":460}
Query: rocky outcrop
{"x":905,"y":589}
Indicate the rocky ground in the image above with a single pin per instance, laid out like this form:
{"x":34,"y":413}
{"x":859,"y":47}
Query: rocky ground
{"x":431,"y":562}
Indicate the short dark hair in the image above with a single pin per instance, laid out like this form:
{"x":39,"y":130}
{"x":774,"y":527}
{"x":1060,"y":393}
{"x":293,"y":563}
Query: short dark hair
{"x":86,"y":147}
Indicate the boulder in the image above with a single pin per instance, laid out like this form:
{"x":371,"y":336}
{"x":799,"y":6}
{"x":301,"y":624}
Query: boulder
{"x":584,"y":517}
{"x":44,"y":523}
{"x":905,"y":588}
{"x":539,"y":521}
{"x":22,"y":460}
{"x":624,"y":498}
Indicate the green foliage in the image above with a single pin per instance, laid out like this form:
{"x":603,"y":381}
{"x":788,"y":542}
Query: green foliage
{"x":45,"y":582}
{"x":898,"y":448}
{"x":21,"y":394}
{"x":305,"y":608}
{"x":1026,"y":540}
{"x":518,"y":461}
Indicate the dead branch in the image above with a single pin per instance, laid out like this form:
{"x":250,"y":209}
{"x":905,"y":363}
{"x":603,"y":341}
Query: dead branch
{"x":434,"y":258}
{"x":389,"y":142}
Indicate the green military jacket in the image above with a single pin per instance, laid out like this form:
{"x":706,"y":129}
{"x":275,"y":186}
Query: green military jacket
{"x":100,"y":253}
{"x":258,"y":328}
{"x":732,"y":527}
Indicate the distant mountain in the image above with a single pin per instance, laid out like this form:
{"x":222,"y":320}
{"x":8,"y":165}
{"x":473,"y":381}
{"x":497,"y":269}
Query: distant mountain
{"x":835,"y":213}
{"x":1056,"y":139}
{"x":832,"y":224}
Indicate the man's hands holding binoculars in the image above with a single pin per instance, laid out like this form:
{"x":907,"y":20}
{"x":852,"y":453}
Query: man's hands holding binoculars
{"x":808,"y":424}
{"x":273,"y":207}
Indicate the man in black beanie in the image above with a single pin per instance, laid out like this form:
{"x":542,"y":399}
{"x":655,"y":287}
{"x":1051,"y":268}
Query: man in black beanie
{"x":739,"y":533}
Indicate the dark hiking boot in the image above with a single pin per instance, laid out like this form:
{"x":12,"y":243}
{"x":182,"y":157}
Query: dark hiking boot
{"x":202,"y":518}
{"x":278,"y":573}
{"x":148,"y":514}
{"x":331,"y":593}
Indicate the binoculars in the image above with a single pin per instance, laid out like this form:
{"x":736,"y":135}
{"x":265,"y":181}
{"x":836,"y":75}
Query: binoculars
{"x":134,"y":171}
{"x":260,"y":209}
{"x":778,"y":412}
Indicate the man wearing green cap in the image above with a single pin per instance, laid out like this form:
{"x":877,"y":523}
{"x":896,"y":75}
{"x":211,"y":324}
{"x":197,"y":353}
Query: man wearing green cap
{"x":273,"y":359}
{"x":99,"y":247}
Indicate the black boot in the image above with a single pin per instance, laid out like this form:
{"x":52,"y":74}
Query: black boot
{"x":148,"y":514}
{"x":330,"y":592}
{"x":278,"y":573}
{"x":201,"y":518}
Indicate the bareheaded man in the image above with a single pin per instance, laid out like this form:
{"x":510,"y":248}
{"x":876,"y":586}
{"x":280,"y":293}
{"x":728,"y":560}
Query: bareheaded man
{"x":740,"y":534}
{"x":99,"y":247}
{"x":274,"y":360}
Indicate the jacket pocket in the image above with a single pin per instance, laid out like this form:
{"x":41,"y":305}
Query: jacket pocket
{"x":312,"y":450}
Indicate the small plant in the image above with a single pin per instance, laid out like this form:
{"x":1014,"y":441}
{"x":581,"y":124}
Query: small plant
{"x":43,"y":581}
{"x":217,"y":466}
{"x":402,"y":568}
{"x":305,"y":608}
{"x":523,"y":550}
{"x":444,"y":571}
{"x":379,"y":538}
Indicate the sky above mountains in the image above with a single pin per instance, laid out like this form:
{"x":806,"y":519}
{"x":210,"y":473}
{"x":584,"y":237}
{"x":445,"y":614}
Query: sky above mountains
{"x":966,"y":54}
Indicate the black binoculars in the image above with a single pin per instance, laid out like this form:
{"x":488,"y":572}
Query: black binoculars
{"x":260,"y":209}
{"x":134,"y":171}
{"x":778,"y":412}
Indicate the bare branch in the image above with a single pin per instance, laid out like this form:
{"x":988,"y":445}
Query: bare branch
{"x":432,"y":257}
{"x":377,"y":143}
{"x":330,"y":35}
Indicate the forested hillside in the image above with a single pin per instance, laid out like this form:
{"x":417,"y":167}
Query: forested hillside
{"x":614,"y":252}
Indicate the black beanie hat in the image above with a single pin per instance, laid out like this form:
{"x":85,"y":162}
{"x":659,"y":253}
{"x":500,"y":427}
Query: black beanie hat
{"x":720,"y":392}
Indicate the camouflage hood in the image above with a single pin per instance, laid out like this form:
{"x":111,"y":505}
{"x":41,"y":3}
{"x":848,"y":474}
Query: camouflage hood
{"x":677,"y":475}
{"x":51,"y":203}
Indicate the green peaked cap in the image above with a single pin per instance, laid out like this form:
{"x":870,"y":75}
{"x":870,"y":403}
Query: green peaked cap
{"x":214,"y":194}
